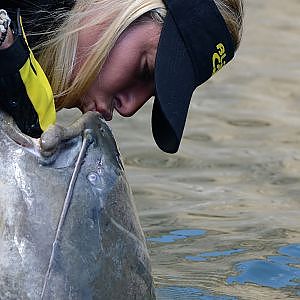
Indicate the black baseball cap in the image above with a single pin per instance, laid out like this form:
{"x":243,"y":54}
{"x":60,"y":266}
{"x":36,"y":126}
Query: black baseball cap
{"x":194,"y":44}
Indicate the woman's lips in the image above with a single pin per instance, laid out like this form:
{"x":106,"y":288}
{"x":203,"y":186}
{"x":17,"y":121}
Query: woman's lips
{"x":117,"y":103}
{"x":107,"y":116}
{"x":105,"y":113}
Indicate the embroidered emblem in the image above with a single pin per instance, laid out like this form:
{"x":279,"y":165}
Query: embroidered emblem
{"x":218,"y":58}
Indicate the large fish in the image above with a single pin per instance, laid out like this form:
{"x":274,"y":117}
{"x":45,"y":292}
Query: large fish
{"x":68,"y":225}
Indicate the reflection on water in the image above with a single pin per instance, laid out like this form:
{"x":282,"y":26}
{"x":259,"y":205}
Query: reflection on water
{"x":278,"y":271}
{"x":185,"y":293}
{"x":176,"y":235}
{"x":274,"y":271}
{"x":236,"y":176}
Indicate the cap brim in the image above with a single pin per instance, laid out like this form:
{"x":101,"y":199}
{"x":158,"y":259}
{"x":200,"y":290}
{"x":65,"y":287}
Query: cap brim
{"x":175,"y":83}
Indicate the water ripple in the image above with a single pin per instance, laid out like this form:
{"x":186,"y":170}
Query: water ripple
{"x":204,"y":256}
{"x":187,"y":293}
{"x":248,"y":123}
{"x":159,"y":161}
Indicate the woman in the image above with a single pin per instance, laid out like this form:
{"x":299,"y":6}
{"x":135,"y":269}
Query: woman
{"x":114,"y":55}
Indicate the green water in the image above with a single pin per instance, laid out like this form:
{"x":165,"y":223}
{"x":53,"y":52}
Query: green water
{"x":222,"y":216}
{"x":236,"y":176}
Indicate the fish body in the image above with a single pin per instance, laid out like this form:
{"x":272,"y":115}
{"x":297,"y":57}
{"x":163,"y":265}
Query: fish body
{"x":68,"y":235}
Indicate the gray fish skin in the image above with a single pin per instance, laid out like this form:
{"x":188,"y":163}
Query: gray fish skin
{"x":101,"y":253}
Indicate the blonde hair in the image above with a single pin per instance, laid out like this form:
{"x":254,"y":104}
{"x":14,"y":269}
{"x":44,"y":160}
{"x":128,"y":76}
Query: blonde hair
{"x":233,"y":14}
{"x":57,"y":54}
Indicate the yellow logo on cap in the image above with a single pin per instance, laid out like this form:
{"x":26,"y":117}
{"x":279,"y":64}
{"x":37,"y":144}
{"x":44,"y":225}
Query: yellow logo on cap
{"x":218,"y":58}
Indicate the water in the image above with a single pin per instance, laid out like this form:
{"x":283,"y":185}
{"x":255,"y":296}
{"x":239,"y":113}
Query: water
{"x":222,"y":216}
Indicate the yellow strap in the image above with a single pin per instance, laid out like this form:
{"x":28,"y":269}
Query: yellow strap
{"x":38,"y":90}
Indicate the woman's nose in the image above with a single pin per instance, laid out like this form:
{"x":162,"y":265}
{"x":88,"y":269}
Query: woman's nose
{"x":129,"y":101}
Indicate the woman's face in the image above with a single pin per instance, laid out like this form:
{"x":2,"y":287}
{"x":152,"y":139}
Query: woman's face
{"x":126,"y":81}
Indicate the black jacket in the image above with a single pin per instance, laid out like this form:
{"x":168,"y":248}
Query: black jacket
{"x":24,"y":90}
{"x":38,"y":15}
